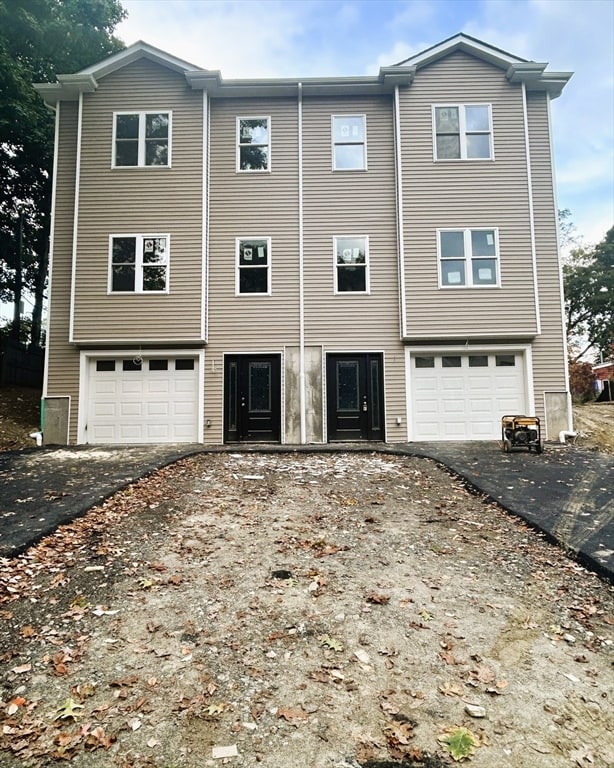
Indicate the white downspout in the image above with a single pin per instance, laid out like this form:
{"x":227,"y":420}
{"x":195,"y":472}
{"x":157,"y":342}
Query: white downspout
{"x":54,"y":186}
{"x":301,"y":282}
{"x":400,"y":222}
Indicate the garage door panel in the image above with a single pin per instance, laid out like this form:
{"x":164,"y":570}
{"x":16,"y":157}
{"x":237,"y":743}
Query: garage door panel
{"x":466,"y":402}
{"x":142,"y":406}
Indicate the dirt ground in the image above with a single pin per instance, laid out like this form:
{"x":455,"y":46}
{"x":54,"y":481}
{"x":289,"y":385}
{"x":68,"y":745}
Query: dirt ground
{"x":303,"y":611}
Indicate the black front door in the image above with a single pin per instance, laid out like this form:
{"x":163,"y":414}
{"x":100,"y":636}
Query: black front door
{"x":355,"y":399}
{"x":252,"y":398}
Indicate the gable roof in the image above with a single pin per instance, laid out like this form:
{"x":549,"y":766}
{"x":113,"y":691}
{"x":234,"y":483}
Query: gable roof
{"x":517,"y":70}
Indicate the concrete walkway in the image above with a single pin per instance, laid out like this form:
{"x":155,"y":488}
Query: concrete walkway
{"x":564,"y":492}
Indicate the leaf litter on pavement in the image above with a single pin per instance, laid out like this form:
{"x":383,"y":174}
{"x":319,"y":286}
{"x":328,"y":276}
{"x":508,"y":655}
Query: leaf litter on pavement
{"x":302,"y":611}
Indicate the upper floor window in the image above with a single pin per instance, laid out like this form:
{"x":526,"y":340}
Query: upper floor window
{"x":351,"y":265}
{"x":349,"y":142}
{"x":141,"y":139}
{"x":463,"y":132}
{"x":468,"y":257}
{"x":139,"y":263}
{"x":253,"y":265}
{"x":253,"y":143}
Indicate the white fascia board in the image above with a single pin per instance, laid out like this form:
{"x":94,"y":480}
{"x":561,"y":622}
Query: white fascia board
{"x":467,"y":44}
{"x":134,"y":52}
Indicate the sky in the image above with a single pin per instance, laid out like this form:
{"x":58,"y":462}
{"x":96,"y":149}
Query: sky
{"x":328,"y":38}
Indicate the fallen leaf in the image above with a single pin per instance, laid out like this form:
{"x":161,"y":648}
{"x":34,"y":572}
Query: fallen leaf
{"x":23,"y":668}
{"x":460,"y":742}
{"x":292,"y":715}
{"x":68,"y":710}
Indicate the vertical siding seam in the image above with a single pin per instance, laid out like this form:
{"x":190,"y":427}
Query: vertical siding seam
{"x":73,"y":275}
{"x":54,"y":187}
{"x":400,"y":220}
{"x":204,"y":293}
{"x":560,"y":267}
{"x":538,"y":328}
{"x":301,"y":277}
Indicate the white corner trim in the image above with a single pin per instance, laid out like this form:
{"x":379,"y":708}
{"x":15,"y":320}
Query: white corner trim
{"x":400,"y":220}
{"x":54,"y":186}
{"x":75,"y":225}
{"x":538,"y":321}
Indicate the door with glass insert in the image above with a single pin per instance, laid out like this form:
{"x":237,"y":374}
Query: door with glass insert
{"x":355,"y":397}
{"x":252,"y":398}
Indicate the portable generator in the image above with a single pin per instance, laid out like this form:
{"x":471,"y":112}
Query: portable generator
{"x":521,"y":432}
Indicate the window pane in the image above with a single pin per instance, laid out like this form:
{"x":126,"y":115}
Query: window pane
{"x":349,"y":128}
{"x":424,"y":362}
{"x":451,"y":361}
{"x":253,"y":158}
{"x":349,"y":157}
{"x":484,"y":272}
{"x":184,"y":364}
{"x":260,"y":386}
{"x":477,"y":119}
{"x":448,"y":147}
{"x":505,"y":360}
{"x":154,"y":250}
{"x":483,"y":243}
{"x":154,"y":278}
{"x":131,"y":365}
{"x":105,"y":365}
{"x":253,"y":252}
{"x":253,"y":280}
{"x":122,"y":278}
{"x":156,"y":152}
{"x":446,"y":120}
{"x":124,"y":250}
{"x":478,"y":145}
{"x":351,"y":250}
{"x":351,"y":279}
{"x":478,"y":361}
{"x":126,"y":152}
{"x":127,"y":127}
{"x":158,"y":365}
{"x":453,"y":272}
{"x":156,"y":126}
{"x":254,"y":131}
{"x":452,"y":245}
{"x":347,"y":386}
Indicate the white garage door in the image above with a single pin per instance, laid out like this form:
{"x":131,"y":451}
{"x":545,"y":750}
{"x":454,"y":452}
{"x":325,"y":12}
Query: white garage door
{"x":149,"y":400}
{"x":463,"y":396}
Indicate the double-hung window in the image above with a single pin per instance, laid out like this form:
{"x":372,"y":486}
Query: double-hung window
{"x":352,"y":264}
{"x":253,"y":265}
{"x":468,"y":258}
{"x":349,"y":142}
{"x":463,"y":132}
{"x":253,"y":143}
{"x":141,"y":139}
{"x":139,"y":263}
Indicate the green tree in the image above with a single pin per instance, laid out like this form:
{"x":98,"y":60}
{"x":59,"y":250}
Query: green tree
{"x":589,"y":297}
{"x":39,"y":39}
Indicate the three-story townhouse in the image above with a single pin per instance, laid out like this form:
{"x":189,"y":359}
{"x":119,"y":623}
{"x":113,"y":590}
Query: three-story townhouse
{"x":303,"y":261}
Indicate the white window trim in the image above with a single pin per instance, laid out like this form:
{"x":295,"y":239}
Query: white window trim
{"x":238,"y":144}
{"x":468,"y":258}
{"x":367,"y":265}
{"x":138,"y":265}
{"x":141,"y":146}
{"x":463,"y":133}
{"x":362,"y":143}
{"x":238,"y":268}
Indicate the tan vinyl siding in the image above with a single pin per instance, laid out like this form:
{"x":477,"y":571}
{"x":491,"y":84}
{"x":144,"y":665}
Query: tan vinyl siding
{"x":150,"y":200}
{"x":338,"y":203}
{"x":465,"y":194}
{"x":253,"y":204}
{"x":62,"y":357}
{"x":548,"y":348}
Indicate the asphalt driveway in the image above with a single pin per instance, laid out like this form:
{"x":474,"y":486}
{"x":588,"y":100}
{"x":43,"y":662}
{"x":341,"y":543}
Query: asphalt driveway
{"x":565,"y":492}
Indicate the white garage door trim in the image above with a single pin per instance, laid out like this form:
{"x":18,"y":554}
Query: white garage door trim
{"x":191,"y":381}
{"x":468,"y":418}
